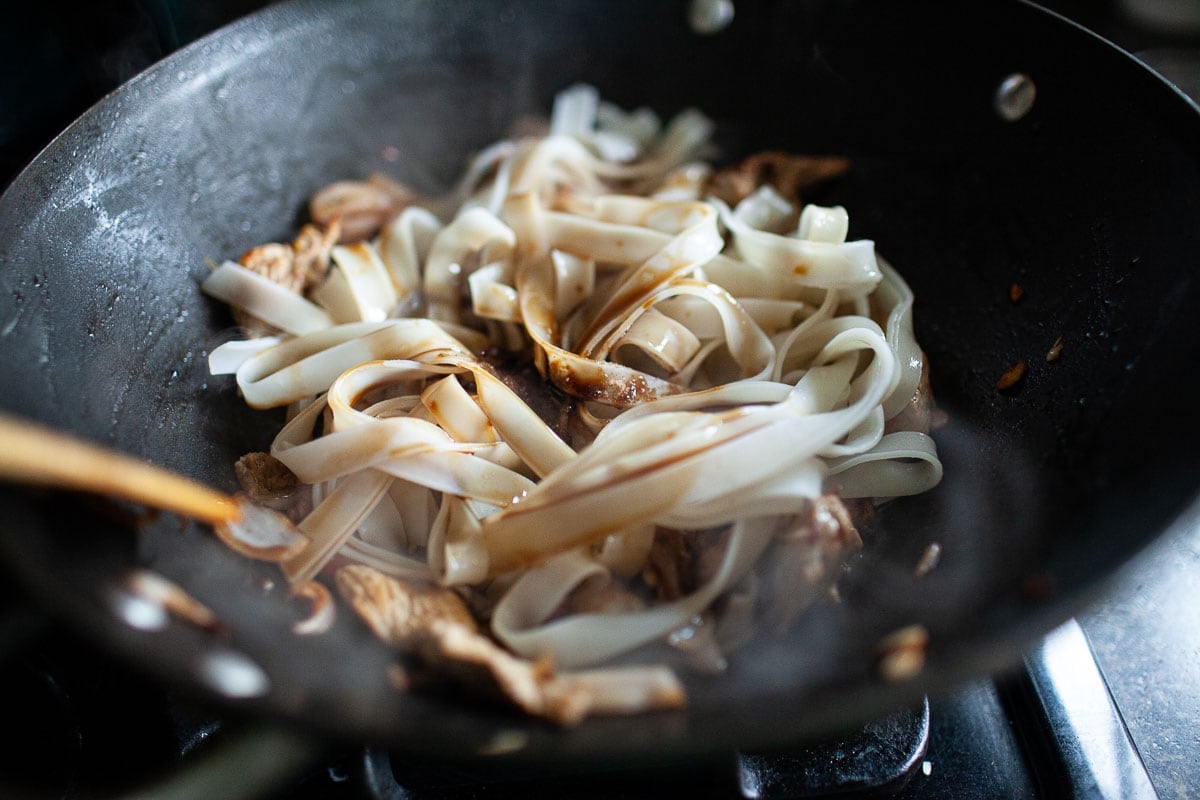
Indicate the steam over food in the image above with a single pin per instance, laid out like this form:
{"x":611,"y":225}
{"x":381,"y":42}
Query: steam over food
{"x":600,"y":397}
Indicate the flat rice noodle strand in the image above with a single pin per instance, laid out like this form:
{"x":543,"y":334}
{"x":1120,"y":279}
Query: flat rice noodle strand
{"x":902,"y":463}
{"x":750,"y":348}
{"x":332,"y":522}
{"x":520,"y":618}
{"x":612,"y":384}
{"x":308,"y":365}
{"x":895,"y":296}
{"x":265,"y":299}
{"x":407,"y":448}
{"x":680,"y":460}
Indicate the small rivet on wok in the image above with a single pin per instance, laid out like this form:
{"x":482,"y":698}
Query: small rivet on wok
{"x":1015,"y":97}
{"x":233,"y":674}
{"x":710,"y":16}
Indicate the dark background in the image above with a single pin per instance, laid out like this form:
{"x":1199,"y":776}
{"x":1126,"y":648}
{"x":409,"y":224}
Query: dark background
{"x":57,"y":59}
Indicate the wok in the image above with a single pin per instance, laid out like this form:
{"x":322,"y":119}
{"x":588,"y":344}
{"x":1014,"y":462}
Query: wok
{"x":1089,"y":202}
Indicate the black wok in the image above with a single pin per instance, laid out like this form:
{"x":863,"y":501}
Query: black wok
{"x":1089,"y":202}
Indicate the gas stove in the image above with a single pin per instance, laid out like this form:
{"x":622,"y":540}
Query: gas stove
{"x":1104,"y":707}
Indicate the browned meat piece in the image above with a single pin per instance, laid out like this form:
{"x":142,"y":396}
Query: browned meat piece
{"x":474,"y":660}
{"x":362,"y":207}
{"x":565,"y":698}
{"x":434,"y":623}
{"x":918,"y":414}
{"x":603,"y":597}
{"x":623,"y":690}
{"x":300,"y":267}
{"x":806,"y":560}
{"x":312,"y":248}
{"x":788,"y":174}
{"x":671,"y":567}
{"x":266,"y":480}
{"x":400,"y":613}
{"x":274,"y":261}
{"x":710,"y":551}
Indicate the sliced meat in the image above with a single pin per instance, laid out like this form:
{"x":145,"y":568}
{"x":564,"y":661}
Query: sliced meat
{"x":361,"y":207}
{"x":603,"y":597}
{"x":790,"y":175}
{"x":806,"y":560}
{"x":266,"y":480}
{"x":299,"y":267}
{"x":670,"y":568}
{"x":274,"y":261}
{"x":434,"y":623}
{"x":312,"y":248}
{"x":400,"y":613}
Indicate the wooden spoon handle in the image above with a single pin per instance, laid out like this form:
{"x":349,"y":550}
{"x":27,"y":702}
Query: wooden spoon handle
{"x":32,"y":454}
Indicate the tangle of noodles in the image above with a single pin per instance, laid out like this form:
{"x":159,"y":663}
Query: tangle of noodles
{"x":722,"y":368}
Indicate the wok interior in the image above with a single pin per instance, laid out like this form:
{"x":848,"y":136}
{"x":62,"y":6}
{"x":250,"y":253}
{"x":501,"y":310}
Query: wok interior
{"x":1088,"y":204}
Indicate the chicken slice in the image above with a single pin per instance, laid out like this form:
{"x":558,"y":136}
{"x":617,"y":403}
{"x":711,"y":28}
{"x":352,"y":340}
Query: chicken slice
{"x":435,"y":624}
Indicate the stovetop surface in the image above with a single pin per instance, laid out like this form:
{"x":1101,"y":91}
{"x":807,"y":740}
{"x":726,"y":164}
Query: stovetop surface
{"x":1146,"y":636}
{"x":1144,"y":629}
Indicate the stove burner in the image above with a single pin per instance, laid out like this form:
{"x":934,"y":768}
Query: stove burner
{"x":881,"y":757}
{"x":78,"y":725}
